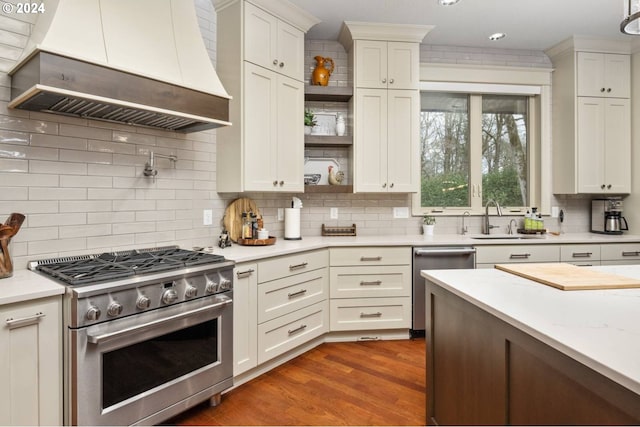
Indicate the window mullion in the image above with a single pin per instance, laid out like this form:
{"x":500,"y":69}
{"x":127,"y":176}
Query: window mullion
{"x":475,"y":161}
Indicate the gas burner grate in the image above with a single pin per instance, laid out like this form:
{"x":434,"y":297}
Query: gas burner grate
{"x":86,"y":271}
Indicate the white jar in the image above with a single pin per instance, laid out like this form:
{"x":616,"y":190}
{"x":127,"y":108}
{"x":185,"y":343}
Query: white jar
{"x":340,"y":125}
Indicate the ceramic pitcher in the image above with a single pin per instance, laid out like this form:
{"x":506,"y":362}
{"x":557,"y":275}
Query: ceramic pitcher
{"x":321,"y":73}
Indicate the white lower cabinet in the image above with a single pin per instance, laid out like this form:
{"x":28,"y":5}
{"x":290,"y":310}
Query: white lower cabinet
{"x":620,"y":253}
{"x":489,"y":256}
{"x":583,"y":255}
{"x":31,"y":362}
{"x":245,"y":318}
{"x":292,"y":307}
{"x":370,"y":288}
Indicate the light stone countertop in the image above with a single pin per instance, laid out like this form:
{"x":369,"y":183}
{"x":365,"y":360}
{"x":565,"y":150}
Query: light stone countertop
{"x":599,"y":328}
{"x":25,"y":284}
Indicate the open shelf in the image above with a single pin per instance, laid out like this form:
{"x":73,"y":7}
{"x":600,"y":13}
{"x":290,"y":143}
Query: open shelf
{"x":325,"y":140}
{"x":328,"y":188}
{"x":327,"y":93}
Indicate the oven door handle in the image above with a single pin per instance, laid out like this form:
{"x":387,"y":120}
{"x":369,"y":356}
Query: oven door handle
{"x":110,"y":336}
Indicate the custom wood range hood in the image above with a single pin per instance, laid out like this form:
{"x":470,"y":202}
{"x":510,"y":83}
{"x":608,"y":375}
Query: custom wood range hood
{"x":141,"y":63}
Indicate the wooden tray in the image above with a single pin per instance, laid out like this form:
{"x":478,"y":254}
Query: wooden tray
{"x":338,"y":231}
{"x":569,"y":277}
{"x":257,"y":242}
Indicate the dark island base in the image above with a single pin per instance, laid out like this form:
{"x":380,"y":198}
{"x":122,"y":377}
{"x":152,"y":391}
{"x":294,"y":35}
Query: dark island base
{"x":482,"y":371}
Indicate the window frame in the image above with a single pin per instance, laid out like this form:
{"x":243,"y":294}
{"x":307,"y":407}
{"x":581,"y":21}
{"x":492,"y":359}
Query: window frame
{"x":474,"y":80}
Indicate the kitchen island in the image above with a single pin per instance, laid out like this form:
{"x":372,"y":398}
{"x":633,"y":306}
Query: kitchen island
{"x":502,"y":349}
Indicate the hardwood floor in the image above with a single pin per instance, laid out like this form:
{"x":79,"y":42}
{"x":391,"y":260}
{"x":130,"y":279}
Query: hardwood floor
{"x":358,"y":383}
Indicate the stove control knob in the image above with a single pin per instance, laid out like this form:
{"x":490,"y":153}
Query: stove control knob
{"x":190,"y":292}
{"x":169,"y":296}
{"x":211,"y":286}
{"x":143,"y":302}
{"x":225,"y":284}
{"x":93,"y":313}
{"x":114,"y":309}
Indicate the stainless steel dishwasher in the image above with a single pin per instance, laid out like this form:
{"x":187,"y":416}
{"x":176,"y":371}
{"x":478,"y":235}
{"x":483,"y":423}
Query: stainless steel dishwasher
{"x":435,"y":258}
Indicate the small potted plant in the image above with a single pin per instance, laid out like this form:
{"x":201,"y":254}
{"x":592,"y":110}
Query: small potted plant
{"x":309,"y":121}
{"x":428,"y":224}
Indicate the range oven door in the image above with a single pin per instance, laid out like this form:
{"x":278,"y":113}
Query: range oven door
{"x":149,"y":367}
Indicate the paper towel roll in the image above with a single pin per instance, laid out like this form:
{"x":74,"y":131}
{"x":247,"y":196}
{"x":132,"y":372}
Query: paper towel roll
{"x":292,"y":224}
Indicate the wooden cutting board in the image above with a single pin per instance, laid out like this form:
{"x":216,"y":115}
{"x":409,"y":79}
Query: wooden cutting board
{"x":569,"y":277}
{"x":233,"y":216}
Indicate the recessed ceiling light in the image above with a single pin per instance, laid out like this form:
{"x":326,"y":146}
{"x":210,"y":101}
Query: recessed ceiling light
{"x":497,"y":36}
{"x":447,"y":2}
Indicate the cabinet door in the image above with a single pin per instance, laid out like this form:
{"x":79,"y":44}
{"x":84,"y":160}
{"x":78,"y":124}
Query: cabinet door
{"x":403,"y":65}
{"x":245,"y":318}
{"x":31,"y":363}
{"x":370,"y":64}
{"x":590,"y":74}
{"x":617,"y":74}
{"x":260,"y":128}
{"x":403,"y":163}
{"x":590,"y":134}
{"x":260,"y":38}
{"x":617,"y":145}
{"x":370,"y":147}
{"x":290,"y":51}
{"x":289,"y":171}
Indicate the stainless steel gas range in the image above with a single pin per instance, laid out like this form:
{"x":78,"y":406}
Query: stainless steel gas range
{"x":148,"y":333}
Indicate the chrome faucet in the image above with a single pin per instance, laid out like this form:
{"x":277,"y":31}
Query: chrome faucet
{"x":487,"y":226}
{"x":464,"y":227}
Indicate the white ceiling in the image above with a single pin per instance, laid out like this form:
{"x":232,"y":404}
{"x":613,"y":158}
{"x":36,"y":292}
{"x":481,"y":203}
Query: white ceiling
{"x":529,"y":24}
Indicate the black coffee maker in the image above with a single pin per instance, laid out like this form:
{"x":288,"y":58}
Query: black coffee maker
{"x":606,"y":216}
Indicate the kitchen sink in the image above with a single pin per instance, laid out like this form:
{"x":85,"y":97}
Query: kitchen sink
{"x":507,"y":236}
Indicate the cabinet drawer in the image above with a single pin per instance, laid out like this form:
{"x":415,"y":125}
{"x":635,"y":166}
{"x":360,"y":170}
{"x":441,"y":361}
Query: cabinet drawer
{"x":284,"y":266}
{"x":517,"y":253}
{"x":370,"y":313}
{"x":620,"y":252}
{"x":579,"y":253}
{"x":289,"y":331}
{"x":284,"y":296}
{"x":370,"y":256}
{"x":370,"y":281}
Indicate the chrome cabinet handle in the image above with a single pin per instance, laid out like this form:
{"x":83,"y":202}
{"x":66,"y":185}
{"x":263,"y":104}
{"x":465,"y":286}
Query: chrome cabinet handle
{"x":384,"y":80}
{"x":246,"y":273}
{"x":297,"y":266}
{"x":298,"y":329}
{"x":517,"y":256}
{"x":281,"y":183}
{"x":275,"y":62}
{"x":602,"y":89}
{"x":384,"y":185}
{"x":390,"y":81}
{"x":24,"y":321}
{"x":608,"y":90}
{"x":297,"y":294}
{"x":281,"y":65}
{"x":377,"y":314}
{"x":582,"y":254}
{"x":275,"y":183}
{"x":609,"y":187}
{"x":632,"y":253}
{"x":373,"y":283}
{"x":370,"y":258}
{"x":391,"y":185}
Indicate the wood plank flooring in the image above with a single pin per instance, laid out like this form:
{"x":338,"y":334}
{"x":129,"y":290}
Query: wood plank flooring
{"x":358,"y":383}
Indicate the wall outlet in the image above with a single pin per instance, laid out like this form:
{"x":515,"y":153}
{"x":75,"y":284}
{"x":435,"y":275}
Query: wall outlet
{"x":207,"y":217}
{"x":280,"y":214}
{"x":555,"y":211}
{"x":402,"y":212}
{"x":333,"y":213}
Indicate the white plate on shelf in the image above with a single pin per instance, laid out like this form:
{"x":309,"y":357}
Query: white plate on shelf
{"x":320,"y":165}
{"x":325,"y":124}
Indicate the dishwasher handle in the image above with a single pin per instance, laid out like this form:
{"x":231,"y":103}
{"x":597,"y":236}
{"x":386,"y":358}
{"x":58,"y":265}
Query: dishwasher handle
{"x":444,"y":251}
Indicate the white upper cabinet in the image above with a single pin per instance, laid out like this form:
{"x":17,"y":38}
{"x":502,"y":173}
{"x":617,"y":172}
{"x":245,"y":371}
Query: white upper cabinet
{"x":604,"y":75}
{"x":272,"y":43}
{"x":260,"y":62}
{"x":382,"y":65}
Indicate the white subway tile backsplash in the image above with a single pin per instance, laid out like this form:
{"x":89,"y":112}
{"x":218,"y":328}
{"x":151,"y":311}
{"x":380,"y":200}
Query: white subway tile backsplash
{"x":111,"y":170}
{"x":70,"y":231}
{"x":110,"y":217}
{"x":14,"y":165}
{"x":111,"y":243}
{"x":11,"y":137}
{"x":56,"y":246}
{"x":69,"y":143}
{"x":45,"y":193}
{"x":86,"y":181}
{"x":42,"y":166}
{"x":111,"y":147}
{"x":56,"y":219}
{"x":134,"y":227}
{"x":14,"y":193}
{"x":86,"y":157}
{"x":85,"y":132}
{"x":86,"y":205}
{"x":134,"y":205}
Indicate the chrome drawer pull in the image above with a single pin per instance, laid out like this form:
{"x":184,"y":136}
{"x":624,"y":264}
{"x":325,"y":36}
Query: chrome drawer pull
{"x":24,"y":321}
{"x":582,"y":254}
{"x":516,"y":256}
{"x":370,"y":258}
{"x":295,"y":267}
{"x":374,"y":283}
{"x":378,"y":314}
{"x":298,"y":329}
{"x":632,"y":253}
{"x":245,"y":273}
{"x":297,"y":294}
